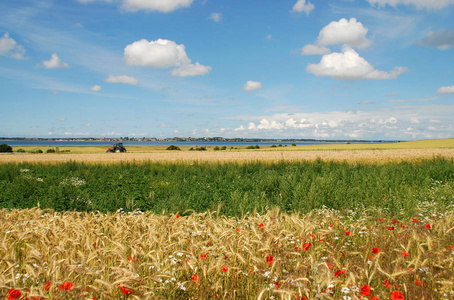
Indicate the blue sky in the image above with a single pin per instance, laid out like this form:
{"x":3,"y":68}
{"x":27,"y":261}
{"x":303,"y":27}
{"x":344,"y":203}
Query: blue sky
{"x":340,"y":69}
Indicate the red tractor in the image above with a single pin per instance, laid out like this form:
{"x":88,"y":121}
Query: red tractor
{"x":117,"y":147}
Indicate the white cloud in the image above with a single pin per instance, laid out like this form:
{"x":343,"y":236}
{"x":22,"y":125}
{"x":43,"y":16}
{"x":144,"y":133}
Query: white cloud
{"x":348,"y":65}
{"x":419,"y":4}
{"x":191,"y":70}
{"x":303,"y":6}
{"x":155,"y":5}
{"x":252,"y":86}
{"x":269,"y":37}
{"x":122,"y":79}
{"x":9,"y":47}
{"x":163,"y":54}
{"x":344,"y":32}
{"x":446,"y":90}
{"x":96,"y":88}
{"x":314,"y":50}
{"x":217,"y":17}
{"x":54,"y":62}
{"x":442,"y":39}
{"x":62,"y":119}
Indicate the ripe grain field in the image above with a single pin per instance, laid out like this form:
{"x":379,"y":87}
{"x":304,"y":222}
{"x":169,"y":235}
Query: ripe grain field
{"x":330,"y":223}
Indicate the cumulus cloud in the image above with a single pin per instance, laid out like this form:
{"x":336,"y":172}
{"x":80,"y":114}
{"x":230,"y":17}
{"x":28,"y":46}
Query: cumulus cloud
{"x":191,"y":70}
{"x":96,"y":88}
{"x":9,"y":47}
{"x":54,"y":62}
{"x":303,"y":6}
{"x":348,"y":65}
{"x":442,"y":39}
{"x":446,"y":90}
{"x":344,"y":32}
{"x":122,"y":79}
{"x":419,"y":4}
{"x":217,"y":17}
{"x":155,"y":5}
{"x":163,"y":54}
{"x":314,"y":50}
{"x":252,"y":86}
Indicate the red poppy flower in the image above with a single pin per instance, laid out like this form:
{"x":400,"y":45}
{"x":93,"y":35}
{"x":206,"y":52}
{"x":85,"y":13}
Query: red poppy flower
{"x":348,"y":232}
{"x":390,"y":228}
{"x":225,"y":269}
{"x":203,"y":256}
{"x":415,"y":220}
{"x":418,"y":282}
{"x":66,"y":286}
{"x":374,"y":298}
{"x":237,"y":230}
{"x":405,"y":254}
{"x":306,"y":246}
{"x":177,"y":216}
{"x":312,"y":235}
{"x":329,"y":266}
{"x":132,"y":258}
{"x":375,"y":250}
{"x":125,"y":290}
{"x":209,"y":244}
{"x":381,"y":219}
{"x":269,"y":259}
{"x":195,"y":278}
{"x":395,"y":221}
{"x":47,"y":286}
{"x":339,"y":272}
{"x":365,"y":290}
{"x":387,"y":283}
{"x":304,"y":298}
{"x":261,"y":225}
{"x":396,"y":295}
{"x":13,"y":294}
{"x":428,"y":226}
{"x":277,"y":284}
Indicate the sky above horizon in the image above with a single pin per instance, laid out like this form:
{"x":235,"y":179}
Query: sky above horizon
{"x":340,"y":69}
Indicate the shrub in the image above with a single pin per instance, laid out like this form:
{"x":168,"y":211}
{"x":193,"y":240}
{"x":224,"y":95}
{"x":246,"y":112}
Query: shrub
{"x":224,"y":148}
{"x":216,"y":148}
{"x":201,"y":148}
{"x":51,"y":150}
{"x":5,"y":148}
{"x":173,"y":147}
{"x":293,"y":145}
{"x":38,"y":151}
{"x":20,"y":150}
{"x":250,"y":147}
{"x":273,"y":146}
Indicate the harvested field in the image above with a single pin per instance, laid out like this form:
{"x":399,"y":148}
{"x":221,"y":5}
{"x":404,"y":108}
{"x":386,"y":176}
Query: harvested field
{"x":373,"y":156}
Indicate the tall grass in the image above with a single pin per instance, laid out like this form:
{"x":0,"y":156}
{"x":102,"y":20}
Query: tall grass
{"x":232,"y":189}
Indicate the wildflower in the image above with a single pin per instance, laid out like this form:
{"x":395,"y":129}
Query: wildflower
{"x":329,"y":266}
{"x":405,"y":254}
{"x":277,"y":284}
{"x":296,"y":248}
{"x":418,"y":282}
{"x":125,"y":290}
{"x":374,"y":298}
{"x":312,"y":235}
{"x":132,"y":258}
{"x":66,"y":286}
{"x":396,"y":295}
{"x":306,"y":246}
{"x":225,"y":269}
{"x":365,"y":290}
{"x":269,"y":259}
{"x":348,"y":232}
{"x":395,"y":221}
{"x":237,"y":230}
{"x":390,"y":228}
{"x":387,"y":283}
{"x":375,"y":250}
{"x":47,"y":286}
{"x":415,"y":220}
{"x":195,"y":278}
{"x":209,"y":244}
{"x":261,"y":225}
{"x":203,"y":256}
{"x":339,"y":272}
{"x":428,"y":226}
{"x":13,"y":294}
{"x":381,"y":219}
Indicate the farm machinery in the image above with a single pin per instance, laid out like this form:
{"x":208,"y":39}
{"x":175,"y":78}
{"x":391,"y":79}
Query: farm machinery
{"x":117,"y":147}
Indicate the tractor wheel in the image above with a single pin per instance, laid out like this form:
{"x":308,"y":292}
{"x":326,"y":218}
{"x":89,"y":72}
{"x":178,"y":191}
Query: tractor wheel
{"x":109,"y":151}
{"x":117,"y":150}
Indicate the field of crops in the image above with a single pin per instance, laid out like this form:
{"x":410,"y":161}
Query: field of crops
{"x":249,"y":229}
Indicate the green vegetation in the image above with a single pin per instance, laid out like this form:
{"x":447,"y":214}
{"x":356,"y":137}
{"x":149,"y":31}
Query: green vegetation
{"x":173,"y":147}
{"x":235,"y":188}
{"x":5,"y":148}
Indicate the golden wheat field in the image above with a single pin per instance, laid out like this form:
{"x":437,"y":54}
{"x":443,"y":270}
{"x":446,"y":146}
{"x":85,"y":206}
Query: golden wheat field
{"x":139,"y":255}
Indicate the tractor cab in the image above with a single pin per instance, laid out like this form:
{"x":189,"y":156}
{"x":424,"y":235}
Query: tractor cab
{"x":117,"y":147}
